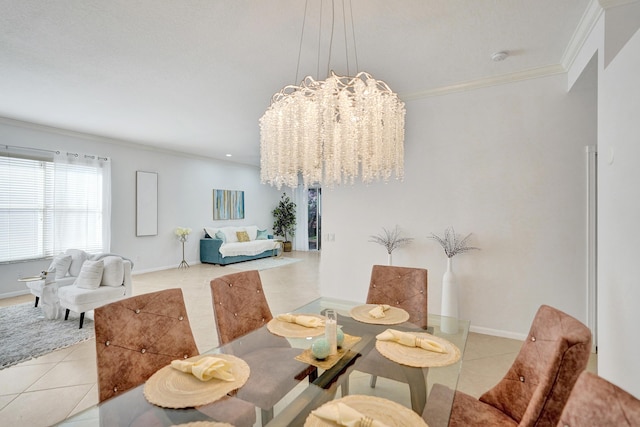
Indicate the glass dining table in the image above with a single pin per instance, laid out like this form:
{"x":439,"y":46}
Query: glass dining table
{"x":339,"y":372}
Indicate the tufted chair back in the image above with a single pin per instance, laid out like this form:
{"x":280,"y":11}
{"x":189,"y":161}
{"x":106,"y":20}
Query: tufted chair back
{"x":594,"y":401}
{"x":402,"y":287}
{"x":536,"y":387}
{"x":240,"y":309}
{"x":239,"y":305}
{"x":139,"y":335}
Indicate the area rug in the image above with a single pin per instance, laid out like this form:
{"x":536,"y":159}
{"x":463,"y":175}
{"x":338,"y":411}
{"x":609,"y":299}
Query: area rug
{"x":263,"y":263}
{"x":25,"y":333}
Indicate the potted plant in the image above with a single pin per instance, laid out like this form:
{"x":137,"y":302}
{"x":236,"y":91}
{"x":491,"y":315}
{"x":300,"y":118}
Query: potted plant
{"x":285,"y":220}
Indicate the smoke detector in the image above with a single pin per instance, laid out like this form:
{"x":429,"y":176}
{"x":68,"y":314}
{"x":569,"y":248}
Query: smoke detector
{"x":499,"y":56}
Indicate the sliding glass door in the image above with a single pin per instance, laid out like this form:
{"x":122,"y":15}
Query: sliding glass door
{"x":314,"y":208}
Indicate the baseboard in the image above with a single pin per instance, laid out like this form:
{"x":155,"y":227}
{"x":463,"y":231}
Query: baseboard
{"x":498,"y":333}
{"x":168,"y":267}
{"x":14,"y":294}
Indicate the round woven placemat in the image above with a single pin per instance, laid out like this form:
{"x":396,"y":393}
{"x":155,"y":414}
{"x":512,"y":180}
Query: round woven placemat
{"x":293,"y":330}
{"x":419,"y":357}
{"x":393,"y":316}
{"x":171,"y":388}
{"x":385,"y":411}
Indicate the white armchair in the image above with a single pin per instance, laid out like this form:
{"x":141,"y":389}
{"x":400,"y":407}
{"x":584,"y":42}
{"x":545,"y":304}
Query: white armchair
{"x":64,"y":270}
{"x":102,"y":279}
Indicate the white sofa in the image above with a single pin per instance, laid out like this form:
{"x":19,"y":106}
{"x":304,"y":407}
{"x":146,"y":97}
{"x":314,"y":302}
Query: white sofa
{"x":92,"y":281}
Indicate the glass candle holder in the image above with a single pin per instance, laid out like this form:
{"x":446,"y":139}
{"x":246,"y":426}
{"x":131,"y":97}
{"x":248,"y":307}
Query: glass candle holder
{"x":331,"y":330}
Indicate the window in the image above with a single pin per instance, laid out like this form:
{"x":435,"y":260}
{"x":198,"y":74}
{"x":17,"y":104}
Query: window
{"x":47,"y":207}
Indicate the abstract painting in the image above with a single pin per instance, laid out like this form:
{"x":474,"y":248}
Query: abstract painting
{"x":228,"y":204}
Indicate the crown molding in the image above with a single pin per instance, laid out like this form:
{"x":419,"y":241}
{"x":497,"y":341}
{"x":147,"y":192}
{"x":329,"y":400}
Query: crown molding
{"x":587,"y":22}
{"x":607,"y":4}
{"x":592,"y":14}
{"x":485,"y":82}
{"x":103,"y":139}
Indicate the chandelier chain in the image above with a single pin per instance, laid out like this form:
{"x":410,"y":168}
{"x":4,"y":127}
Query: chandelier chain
{"x":344,"y":29}
{"x":353,"y":33}
{"x":333,"y":23}
{"x":304,"y":22}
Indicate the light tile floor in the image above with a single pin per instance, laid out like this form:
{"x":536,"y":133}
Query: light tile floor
{"x":48,"y":389}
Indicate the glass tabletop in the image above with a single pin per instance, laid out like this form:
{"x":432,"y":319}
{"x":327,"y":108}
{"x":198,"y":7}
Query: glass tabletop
{"x":336,"y":376}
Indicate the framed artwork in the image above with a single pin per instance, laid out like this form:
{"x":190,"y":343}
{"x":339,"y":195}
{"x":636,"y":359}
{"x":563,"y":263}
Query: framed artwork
{"x":146,"y":203}
{"x":228,"y":204}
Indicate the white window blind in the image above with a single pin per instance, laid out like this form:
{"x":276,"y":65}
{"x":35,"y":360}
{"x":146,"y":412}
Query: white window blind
{"x":47,"y":207}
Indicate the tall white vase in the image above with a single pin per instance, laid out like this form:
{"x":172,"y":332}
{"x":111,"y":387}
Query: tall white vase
{"x":449,"y":308}
{"x":390,"y":259}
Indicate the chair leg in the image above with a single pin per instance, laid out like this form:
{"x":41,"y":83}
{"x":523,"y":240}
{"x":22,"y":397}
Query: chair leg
{"x":81,"y":320}
{"x":37,"y":299}
{"x":372,"y":381}
{"x":66,"y":314}
{"x":266,"y":415}
{"x":344,"y":387}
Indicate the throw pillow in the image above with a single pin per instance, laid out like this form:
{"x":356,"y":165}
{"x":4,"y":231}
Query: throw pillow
{"x":252,"y":231}
{"x":220,"y":235}
{"x":230,"y":234}
{"x":60,"y":265}
{"x":78,"y":257}
{"x":262,"y":235}
{"x":90,"y":275}
{"x":210,"y":231}
{"x":113,"y":274}
{"x":243,"y":236}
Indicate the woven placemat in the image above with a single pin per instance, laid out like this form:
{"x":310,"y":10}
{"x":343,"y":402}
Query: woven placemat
{"x":171,"y":388}
{"x":293,"y":330}
{"x":308,"y":358}
{"x":419,"y":357}
{"x":393,"y":316}
{"x":386,"y":411}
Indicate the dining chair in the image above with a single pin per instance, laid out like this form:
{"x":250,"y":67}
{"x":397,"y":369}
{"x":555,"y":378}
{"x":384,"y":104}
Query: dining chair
{"x":406,"y":288}
{"x":137,"y":336}
{"x":536,"y":387}
{"x":595,"y":401}
{"x":240,"y":311}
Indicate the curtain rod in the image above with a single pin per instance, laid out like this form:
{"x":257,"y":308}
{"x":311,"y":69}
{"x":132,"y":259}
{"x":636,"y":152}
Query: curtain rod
{"x":86,"y":156}
{"x":29,"y":148}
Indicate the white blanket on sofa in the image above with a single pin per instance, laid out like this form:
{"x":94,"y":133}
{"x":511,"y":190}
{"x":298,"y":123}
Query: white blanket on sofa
{"x":253,"y":247}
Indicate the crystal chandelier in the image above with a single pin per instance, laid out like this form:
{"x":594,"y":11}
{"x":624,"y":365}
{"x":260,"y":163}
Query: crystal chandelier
{"x":329,"y":132}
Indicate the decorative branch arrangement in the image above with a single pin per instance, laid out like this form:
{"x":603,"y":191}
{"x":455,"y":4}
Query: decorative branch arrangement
{"x":452,"y":243}
{"x":391,"y":239}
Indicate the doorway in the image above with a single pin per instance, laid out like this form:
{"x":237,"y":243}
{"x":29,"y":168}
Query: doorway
{"x":314,"y":216}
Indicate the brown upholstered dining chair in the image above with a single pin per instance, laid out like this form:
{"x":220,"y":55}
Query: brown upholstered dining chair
{"x":595,"y":401}
{"x":537,"y":385}
{"x":137,"y":336}
{"x":240,"y":310}
{"x":402,"y":287}
{"x":406,"y":288}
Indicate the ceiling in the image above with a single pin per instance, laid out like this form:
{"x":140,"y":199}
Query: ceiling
{"x":196,"y":75}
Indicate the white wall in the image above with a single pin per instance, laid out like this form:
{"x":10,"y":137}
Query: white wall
{"x":619,"y":216}
{"x":185,"y":187}
{"x":507,"y":163}
{"x":615,"y":42}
